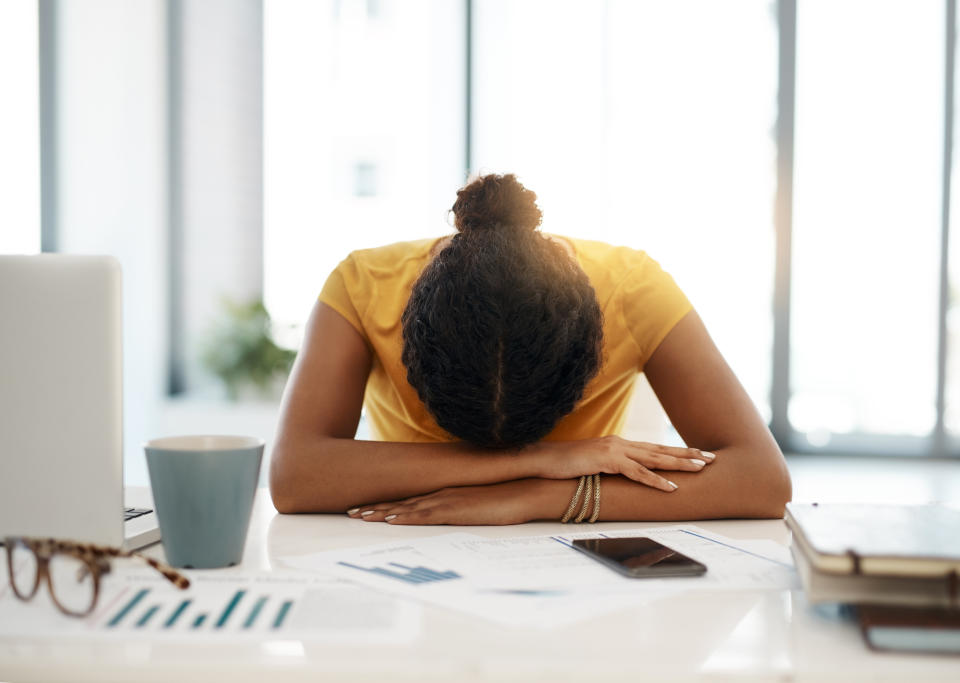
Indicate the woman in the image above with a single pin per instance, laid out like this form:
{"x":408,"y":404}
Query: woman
{"x":497,"y":366}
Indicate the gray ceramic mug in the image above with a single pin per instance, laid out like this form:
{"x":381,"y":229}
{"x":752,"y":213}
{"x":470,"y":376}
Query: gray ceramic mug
{"x":203,"y":489}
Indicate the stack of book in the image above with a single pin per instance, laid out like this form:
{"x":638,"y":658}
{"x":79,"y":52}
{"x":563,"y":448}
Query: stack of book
{"x":898,"y":565}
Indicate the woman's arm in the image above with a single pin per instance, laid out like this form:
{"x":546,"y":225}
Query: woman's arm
{"x":317,"y":465}
{"x":710,"y":410}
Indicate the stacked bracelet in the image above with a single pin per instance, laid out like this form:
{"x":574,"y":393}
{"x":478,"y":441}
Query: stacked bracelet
{"x":590,"y":485}
{"x":573,"y":502}
{"x":596,"y":499}
{"x":587,"y":492}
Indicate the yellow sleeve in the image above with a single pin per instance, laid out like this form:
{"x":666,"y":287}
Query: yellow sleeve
{"x":343,"y":292}
{"x":651,"y":304}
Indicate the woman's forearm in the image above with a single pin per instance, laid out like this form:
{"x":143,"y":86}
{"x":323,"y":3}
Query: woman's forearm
{"x":751,"y":483}
{"x":325,"y":474}
{"x":726,"y":489}
{"x":314,"y":473}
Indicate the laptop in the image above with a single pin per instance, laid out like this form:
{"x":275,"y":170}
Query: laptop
{"x":61,"y":404}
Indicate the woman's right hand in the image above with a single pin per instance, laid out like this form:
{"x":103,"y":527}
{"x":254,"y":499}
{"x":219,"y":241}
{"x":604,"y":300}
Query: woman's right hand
{"x":635,"y":460}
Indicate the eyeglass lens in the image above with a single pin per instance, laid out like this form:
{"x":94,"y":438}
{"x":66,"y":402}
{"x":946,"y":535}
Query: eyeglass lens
{"x":72,"y":583}
{"x":23,"y":565}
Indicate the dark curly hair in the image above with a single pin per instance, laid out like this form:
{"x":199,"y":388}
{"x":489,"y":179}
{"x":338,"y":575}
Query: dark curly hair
{"x":502,"y":330}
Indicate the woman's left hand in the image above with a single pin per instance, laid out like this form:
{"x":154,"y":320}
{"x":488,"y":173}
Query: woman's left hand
{"x":511,"y":502}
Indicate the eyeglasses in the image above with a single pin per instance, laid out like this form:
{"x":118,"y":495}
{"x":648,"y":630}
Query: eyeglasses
{"x":72,"y":570}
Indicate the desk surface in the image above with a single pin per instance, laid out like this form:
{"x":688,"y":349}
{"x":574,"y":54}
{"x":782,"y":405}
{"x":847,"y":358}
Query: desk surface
{"x":762,"y":635}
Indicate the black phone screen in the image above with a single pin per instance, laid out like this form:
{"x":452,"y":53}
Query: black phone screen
{"x":639,"y":557}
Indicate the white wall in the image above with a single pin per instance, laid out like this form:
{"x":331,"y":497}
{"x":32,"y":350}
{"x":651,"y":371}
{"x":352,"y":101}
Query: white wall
{"x":111,"y":175}
{"x":220,"y":162}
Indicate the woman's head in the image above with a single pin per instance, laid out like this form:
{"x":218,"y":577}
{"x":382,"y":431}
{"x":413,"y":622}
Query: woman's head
{"x":502,"y":331}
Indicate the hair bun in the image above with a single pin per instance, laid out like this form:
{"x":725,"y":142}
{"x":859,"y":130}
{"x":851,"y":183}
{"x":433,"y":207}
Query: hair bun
{"x":493,"y":201}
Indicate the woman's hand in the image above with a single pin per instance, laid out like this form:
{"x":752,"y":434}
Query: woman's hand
{"x":614,"y":455}
{"x":512,"y":502}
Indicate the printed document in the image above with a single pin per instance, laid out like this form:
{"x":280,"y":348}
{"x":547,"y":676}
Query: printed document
{"x":540,"y":581}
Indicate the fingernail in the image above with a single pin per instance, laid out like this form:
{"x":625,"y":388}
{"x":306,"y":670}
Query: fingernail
{"x":389,"y":517}
{"x":698,"y":463}
{"x":366,"y":512}
{"x":353,"y":511}
{"x":708,"y":456}
{"x":672,"y":484}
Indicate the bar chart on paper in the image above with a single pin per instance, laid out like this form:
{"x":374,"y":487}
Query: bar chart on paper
{"x":213,"y":606}
{"x":250,"y":609}
{"x":406,"y":573}
{"x":262,"y":606}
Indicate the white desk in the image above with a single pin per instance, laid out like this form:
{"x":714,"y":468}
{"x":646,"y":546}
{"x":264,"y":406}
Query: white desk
{"x":705,"y":636}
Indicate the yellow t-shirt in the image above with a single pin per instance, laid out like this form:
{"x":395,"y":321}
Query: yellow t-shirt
{"x":640,"y":302}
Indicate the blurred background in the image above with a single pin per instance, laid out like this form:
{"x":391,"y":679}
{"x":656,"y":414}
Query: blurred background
{"x":789,"y":162}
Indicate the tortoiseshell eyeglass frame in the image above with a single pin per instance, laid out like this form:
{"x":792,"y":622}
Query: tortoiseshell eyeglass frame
{"x":95,"y":557}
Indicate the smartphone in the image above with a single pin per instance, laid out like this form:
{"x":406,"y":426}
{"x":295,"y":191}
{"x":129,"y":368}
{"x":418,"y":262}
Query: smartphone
{"x":639,"y":557}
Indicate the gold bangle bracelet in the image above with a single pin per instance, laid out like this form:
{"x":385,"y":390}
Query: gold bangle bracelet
{"x":596,"y":499}
{"x":573,"y":502}
{"x":586,"y":499}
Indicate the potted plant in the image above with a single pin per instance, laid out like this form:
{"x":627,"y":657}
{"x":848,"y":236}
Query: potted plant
{"x":242,"y":353}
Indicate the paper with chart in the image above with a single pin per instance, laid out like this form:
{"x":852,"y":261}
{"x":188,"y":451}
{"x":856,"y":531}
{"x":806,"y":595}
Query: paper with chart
{"x":218,"y":606}
{"x":540,"y":580}
{"x":405,"y":569}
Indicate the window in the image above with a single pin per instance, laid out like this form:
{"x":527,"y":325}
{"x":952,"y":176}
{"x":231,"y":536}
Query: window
{"x":20,"y":127}
{"x":653,"y":131}
{"x":867,"y":221}
{"x":363,"y":134}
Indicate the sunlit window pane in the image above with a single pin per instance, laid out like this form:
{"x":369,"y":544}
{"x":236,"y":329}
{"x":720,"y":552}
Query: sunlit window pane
{"x":952,"y":380}
{"x":363,"y":134}
{"x":648,"y":125}
{"x":867,"y":196}
{"x":19,"y":127}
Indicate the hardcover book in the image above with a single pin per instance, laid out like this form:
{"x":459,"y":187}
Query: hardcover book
{"x":916,"y":541}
